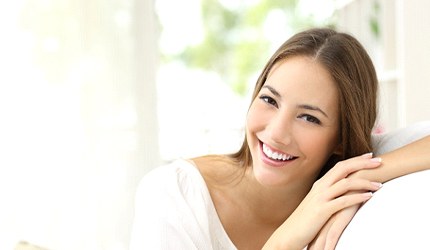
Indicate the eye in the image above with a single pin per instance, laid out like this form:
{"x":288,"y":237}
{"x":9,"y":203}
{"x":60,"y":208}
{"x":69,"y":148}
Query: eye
{"x":269,"y":100}
{"x":310,"y":118}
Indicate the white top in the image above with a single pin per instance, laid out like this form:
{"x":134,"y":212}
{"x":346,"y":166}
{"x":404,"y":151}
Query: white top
{"x":174,"y":210}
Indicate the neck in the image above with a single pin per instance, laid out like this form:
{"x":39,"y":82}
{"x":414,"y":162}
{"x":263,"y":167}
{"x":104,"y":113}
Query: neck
{"x":269,"y":204}
{"x":234,"y":188}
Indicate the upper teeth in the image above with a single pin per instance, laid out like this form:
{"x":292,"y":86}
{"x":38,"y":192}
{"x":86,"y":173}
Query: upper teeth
{"x":275,"y":155}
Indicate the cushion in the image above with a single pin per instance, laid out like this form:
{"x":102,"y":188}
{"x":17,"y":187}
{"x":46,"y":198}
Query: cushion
{"x":398,"y":215}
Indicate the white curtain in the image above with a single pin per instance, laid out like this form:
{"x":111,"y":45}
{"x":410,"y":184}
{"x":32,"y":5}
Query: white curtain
{"x":78,"y":122}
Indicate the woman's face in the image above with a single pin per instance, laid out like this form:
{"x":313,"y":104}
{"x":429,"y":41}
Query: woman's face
{"x":292,"y":124}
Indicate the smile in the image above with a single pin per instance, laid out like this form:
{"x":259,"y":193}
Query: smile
{"x":278,"y":156}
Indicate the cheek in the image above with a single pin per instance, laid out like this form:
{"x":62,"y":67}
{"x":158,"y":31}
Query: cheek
{"x":255,"y":118}
{"x":322,"y":144}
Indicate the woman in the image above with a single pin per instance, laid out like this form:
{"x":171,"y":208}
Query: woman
{"x":313,"y":110}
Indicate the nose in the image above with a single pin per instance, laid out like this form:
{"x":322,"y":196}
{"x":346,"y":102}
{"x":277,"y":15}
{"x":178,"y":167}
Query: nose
{"x":280,"y":128}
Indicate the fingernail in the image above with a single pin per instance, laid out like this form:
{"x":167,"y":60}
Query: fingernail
{"x":377,"y":184}
{"x":368,"y":194}
{"x":376,"y":159}
{"x":367,"y":155}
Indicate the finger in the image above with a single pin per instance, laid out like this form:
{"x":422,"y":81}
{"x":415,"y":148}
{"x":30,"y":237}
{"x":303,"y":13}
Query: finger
{"x":333,"y":237}
{"x":317,"y":243}
{"x":349,"y":184}
{"x":343,"y":218}
{"x":344,"y":168}
{"x":349,"y":200}
{"x":320,"y":240}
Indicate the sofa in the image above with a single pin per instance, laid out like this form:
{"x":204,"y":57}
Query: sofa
{"x":398,"y":215}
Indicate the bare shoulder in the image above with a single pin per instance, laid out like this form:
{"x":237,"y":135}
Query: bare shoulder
{"x":226,"y":181}
{"x":218,"y":170}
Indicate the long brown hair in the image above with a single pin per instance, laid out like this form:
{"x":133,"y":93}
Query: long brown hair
{"x":354,"y":74}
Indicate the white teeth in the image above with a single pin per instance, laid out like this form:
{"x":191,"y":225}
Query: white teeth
{"x":275,"y":155}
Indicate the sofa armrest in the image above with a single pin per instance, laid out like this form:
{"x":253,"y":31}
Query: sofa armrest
{"x":396,"y":217}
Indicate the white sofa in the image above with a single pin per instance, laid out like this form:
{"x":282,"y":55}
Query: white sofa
{"x":398,"y":215}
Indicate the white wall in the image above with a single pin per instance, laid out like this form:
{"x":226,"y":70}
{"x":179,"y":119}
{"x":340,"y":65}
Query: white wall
{"x":78,"y":122}
{"x":400,"y":55}
{"x":414,"y":59}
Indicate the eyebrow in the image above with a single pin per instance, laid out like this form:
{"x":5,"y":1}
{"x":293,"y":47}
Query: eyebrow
{"x":313,"y":108}
{"x":274,"y":92}
{"x":301,"y":106}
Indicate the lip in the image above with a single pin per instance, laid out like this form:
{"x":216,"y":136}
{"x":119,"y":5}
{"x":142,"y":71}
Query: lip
{"x":271,"y":162}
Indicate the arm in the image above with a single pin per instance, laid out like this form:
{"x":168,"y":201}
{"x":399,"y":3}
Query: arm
{"x":409,"y":150}
{"x":403,"y":151}
{"x":409,"y":159}
{"x":331,"y":193}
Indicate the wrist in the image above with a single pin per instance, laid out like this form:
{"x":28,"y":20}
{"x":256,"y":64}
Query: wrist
{"x":284,"y":242}
{"x":280,"y":240}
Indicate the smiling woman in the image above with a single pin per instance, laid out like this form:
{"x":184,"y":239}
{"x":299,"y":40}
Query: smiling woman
{"x":304,"y":168}
{"x":291,"y":116}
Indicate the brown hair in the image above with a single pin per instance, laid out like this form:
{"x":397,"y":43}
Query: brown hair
{"x":354,"y":74}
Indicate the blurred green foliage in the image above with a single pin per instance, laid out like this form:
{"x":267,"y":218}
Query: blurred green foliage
{"x":374,"y":19}
{"x":234,"y":44}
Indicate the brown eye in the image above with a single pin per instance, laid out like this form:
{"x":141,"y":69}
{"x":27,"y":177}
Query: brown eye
{"x":269,"y":100}
{"x":310,"y":118}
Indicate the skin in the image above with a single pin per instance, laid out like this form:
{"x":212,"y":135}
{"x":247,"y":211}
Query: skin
{"x":405,"y":160}
{"x":278,"y":205}
{"x":281,"y":118}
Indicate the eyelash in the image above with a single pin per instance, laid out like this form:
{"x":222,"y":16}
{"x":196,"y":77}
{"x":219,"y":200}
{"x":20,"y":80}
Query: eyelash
{"x":269,"y":100}
{"x":309,"y":118}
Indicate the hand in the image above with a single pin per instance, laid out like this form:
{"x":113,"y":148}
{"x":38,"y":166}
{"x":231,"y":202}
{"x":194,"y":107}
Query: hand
{"x":329,"y":195}
{"x":329,"y":235}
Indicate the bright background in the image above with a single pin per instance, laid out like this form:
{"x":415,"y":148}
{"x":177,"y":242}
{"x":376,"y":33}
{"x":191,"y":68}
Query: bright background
{"x":94,"y":94}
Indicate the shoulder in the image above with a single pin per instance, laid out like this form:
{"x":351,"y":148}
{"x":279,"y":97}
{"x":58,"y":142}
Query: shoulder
{"x":170,"y":208}
{"x":174,"y":209}
{"x":173,"y":170}
{"x":218,"y":170}
{"x":170,"y":179}
{"x":170,"y":196}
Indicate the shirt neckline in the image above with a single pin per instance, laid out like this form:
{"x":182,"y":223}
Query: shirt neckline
{"x":214,"y":217}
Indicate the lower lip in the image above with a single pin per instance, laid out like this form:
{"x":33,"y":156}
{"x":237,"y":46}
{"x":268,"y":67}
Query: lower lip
{"x":271,"y":162}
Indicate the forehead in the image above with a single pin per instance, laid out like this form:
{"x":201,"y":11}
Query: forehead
{"x":304,"y":79}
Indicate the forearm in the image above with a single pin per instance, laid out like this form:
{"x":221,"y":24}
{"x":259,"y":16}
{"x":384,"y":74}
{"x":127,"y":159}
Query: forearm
{"x":408,"y":159}
{"x":291,"y":235}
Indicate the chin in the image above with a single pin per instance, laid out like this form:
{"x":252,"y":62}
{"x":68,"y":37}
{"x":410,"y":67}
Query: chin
{"x":269,"y":178}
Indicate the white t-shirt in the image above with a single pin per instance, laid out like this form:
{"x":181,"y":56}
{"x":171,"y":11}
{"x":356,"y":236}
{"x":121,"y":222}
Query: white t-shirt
{"x":174,"y":210}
